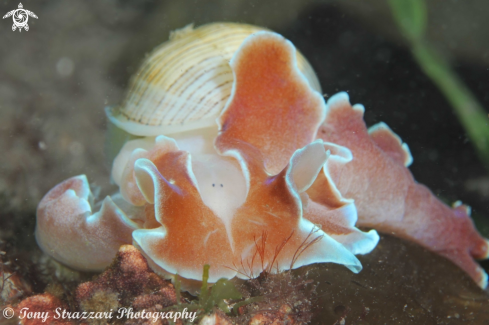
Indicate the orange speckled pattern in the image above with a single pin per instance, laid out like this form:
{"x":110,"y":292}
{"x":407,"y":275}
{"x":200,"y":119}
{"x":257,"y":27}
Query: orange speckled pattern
{"x":388,"y":198}
{"x":193,"y":235}
{"x":272,"y":106}
{"x":270,"y":218}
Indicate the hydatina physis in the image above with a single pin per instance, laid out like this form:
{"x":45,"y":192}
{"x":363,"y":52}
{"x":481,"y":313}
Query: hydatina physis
{"x":237,"y":162}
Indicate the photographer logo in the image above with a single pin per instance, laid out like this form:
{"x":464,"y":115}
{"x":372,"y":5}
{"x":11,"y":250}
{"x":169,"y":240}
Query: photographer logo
{"x":20,"y":17}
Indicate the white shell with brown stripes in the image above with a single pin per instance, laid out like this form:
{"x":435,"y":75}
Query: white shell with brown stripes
{"x":185,"y":82}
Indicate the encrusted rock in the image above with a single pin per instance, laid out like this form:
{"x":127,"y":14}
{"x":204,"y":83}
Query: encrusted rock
{"x":286,"y":299}
{"x":41,"y":309}
{"x":216,"y":318}
{"x":280,"y":317}
{"x":12,"y":285}
{"x":128,"y":282}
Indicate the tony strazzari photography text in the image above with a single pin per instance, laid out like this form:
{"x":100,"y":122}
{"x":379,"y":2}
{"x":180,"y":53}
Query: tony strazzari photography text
{"x":127,"y":313}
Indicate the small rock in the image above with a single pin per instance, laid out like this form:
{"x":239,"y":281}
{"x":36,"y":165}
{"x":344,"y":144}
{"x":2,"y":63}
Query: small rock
{"x":45,"y":306}
{"x":130,"y":281}
{"x":272,"y":318}
{"x":216,"y":318}
{"x":12,"y":285}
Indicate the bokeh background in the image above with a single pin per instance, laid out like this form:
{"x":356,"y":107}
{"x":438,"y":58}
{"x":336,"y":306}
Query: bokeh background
{"x":79,"y":55}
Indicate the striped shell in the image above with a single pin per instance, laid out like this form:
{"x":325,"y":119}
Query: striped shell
{"x":185,"y":83}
